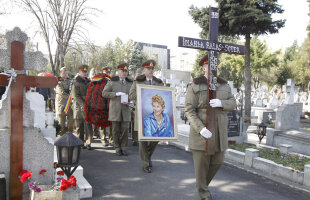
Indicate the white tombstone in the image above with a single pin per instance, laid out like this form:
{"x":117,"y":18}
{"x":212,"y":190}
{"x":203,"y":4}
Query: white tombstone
{"x":233,"y":90}
{"x":290,"y":90}
{"x":37,"y":104}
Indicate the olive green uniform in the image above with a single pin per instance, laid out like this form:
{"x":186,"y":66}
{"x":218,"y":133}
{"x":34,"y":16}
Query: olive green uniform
{"x":62,"y":93}
{"x":206,"y":166}
{"x":146,"y":149}
{"x":119,"y":114}
{"x":84,"y":129}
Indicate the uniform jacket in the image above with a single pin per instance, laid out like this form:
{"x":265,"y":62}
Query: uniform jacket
{"x":62,"y":92}
{"x":151,"y":126}
{"x":195,"y":110}
{"x":117,"y":111}
{"x":133,"y":91}
{"x":79,"y":91}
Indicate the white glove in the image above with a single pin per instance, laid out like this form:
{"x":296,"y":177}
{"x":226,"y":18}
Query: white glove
{"x":119,"y":94}
{"x":215,"y":103}
{"x":205,"y":133}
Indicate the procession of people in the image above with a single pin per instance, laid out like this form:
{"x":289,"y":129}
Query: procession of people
{"x":105,"y":106}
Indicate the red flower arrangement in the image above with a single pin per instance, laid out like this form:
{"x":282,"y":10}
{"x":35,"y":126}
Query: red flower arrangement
{"x":61,"y":183}
{"x":65,"y":184}
{"x":24,"y":175}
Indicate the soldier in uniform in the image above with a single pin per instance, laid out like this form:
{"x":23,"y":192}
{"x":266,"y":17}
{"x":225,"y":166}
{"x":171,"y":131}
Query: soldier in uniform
{"x":62,"y":92}
{"x":106,"y":132}
{"x":146,"y":149}
{"x":79,"y":90}
{"x":207,"y":165}
{"x":107,"y":70}
{"x":119,"y":112}
{"x":134,"y":133}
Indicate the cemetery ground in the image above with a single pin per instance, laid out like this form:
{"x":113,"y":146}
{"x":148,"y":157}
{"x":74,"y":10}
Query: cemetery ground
{"x":121,"y":177}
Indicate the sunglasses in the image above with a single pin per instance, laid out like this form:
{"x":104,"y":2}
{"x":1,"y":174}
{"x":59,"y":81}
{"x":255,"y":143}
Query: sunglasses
{"x":124,"y":70}
{"x":150,"y":68}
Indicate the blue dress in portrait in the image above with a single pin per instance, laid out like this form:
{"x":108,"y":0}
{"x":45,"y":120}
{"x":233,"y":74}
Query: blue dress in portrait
{"x":151,"y":128}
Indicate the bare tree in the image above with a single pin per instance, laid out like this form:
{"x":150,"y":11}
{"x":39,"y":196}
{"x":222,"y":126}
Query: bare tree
{"x":59,"y":20}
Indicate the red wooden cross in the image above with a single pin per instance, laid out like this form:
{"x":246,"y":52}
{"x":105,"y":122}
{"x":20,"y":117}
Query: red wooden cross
{"x":16,"y":124}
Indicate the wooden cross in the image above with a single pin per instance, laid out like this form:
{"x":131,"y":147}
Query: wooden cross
{"x":18,"y":61}
{"x":213,"y":46}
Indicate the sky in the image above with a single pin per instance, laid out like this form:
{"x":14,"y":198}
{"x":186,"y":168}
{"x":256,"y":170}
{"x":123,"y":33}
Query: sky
{"x":161,"y":22}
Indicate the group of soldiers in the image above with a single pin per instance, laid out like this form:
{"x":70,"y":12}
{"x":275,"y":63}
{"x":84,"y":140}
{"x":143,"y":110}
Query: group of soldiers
{"x":121,"y":92}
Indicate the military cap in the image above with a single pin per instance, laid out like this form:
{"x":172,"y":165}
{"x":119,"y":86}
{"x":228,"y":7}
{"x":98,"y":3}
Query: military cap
{"x":149,"y":63}
{"x":123,"y":66}
{"x":204,"y":60}
{"x":83,"y":68}
{"x":109,"y":69}
{"x":63,"y":69}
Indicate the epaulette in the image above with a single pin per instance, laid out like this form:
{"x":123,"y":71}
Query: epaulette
{"x":115,"y":78}
{"x":128,"y":79}
{"x":203,"y":80}
{"x":141,"y":78}
{"x":157,"y":79}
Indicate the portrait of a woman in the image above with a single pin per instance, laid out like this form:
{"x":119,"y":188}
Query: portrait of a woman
{"x":157,"y":124}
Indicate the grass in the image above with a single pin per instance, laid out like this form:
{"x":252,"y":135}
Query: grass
{"x":295,"y":162}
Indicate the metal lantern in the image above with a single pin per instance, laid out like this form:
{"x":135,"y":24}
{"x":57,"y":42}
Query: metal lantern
{"x":261,"y":131}
{"x":68,"y":152}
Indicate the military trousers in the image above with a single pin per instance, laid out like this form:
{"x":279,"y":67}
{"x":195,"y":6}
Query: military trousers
{"x":134,"y":134}
{"x":84,"y":131}
{"x":66,"y":122}
{"x":120,"y":134}
{"x":206,"y":167}
{"x":146,"y":149}
{"x":106,"y":134}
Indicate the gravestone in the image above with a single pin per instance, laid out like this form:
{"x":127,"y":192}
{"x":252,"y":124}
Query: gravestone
{"x":2,"y":186}
{"x":233,"y":127}
{"x":233,"y":90}
{"x":37,"y":104}
{"x":22,"y":145}
{"x":288,"y":114}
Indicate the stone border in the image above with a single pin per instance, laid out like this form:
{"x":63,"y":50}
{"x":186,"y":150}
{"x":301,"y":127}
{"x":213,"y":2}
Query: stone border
{"x":269,"y":169}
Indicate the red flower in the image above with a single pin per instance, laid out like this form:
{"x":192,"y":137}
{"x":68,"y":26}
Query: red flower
{"x":21,"y":173}
{"x":55,"y":165}
{"x":72,"y":181}
{"x":25,"y":176}
{"x":65,"y":184}
{"x":42,"y":171}
{"x":61,"y":173}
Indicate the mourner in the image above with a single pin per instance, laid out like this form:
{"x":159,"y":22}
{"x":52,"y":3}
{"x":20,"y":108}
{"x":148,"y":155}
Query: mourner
{"x":146,"y":149}
{"x":207,"y":165}
{"x":63,"y":88}
{"x":134,"y":133}
{"x":117,"y":91}
{"x":106,"y":132}
{"x":79,"y":90}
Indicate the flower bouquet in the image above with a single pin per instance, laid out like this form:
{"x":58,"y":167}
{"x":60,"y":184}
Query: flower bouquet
{"x":47,"y":192}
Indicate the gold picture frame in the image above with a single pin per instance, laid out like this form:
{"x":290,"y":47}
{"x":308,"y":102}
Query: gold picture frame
{"x":156,"y":110}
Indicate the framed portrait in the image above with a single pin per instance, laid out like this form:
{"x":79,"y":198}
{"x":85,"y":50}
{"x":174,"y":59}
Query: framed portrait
{"x":156,"y":110}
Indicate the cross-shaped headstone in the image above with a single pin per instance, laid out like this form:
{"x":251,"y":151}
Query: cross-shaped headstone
{"x":233,"y":89}
{"x":15,"y":58}
{"x":182,"y":87}
{"x":213,"y":46}
{"x":289,"y":89}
